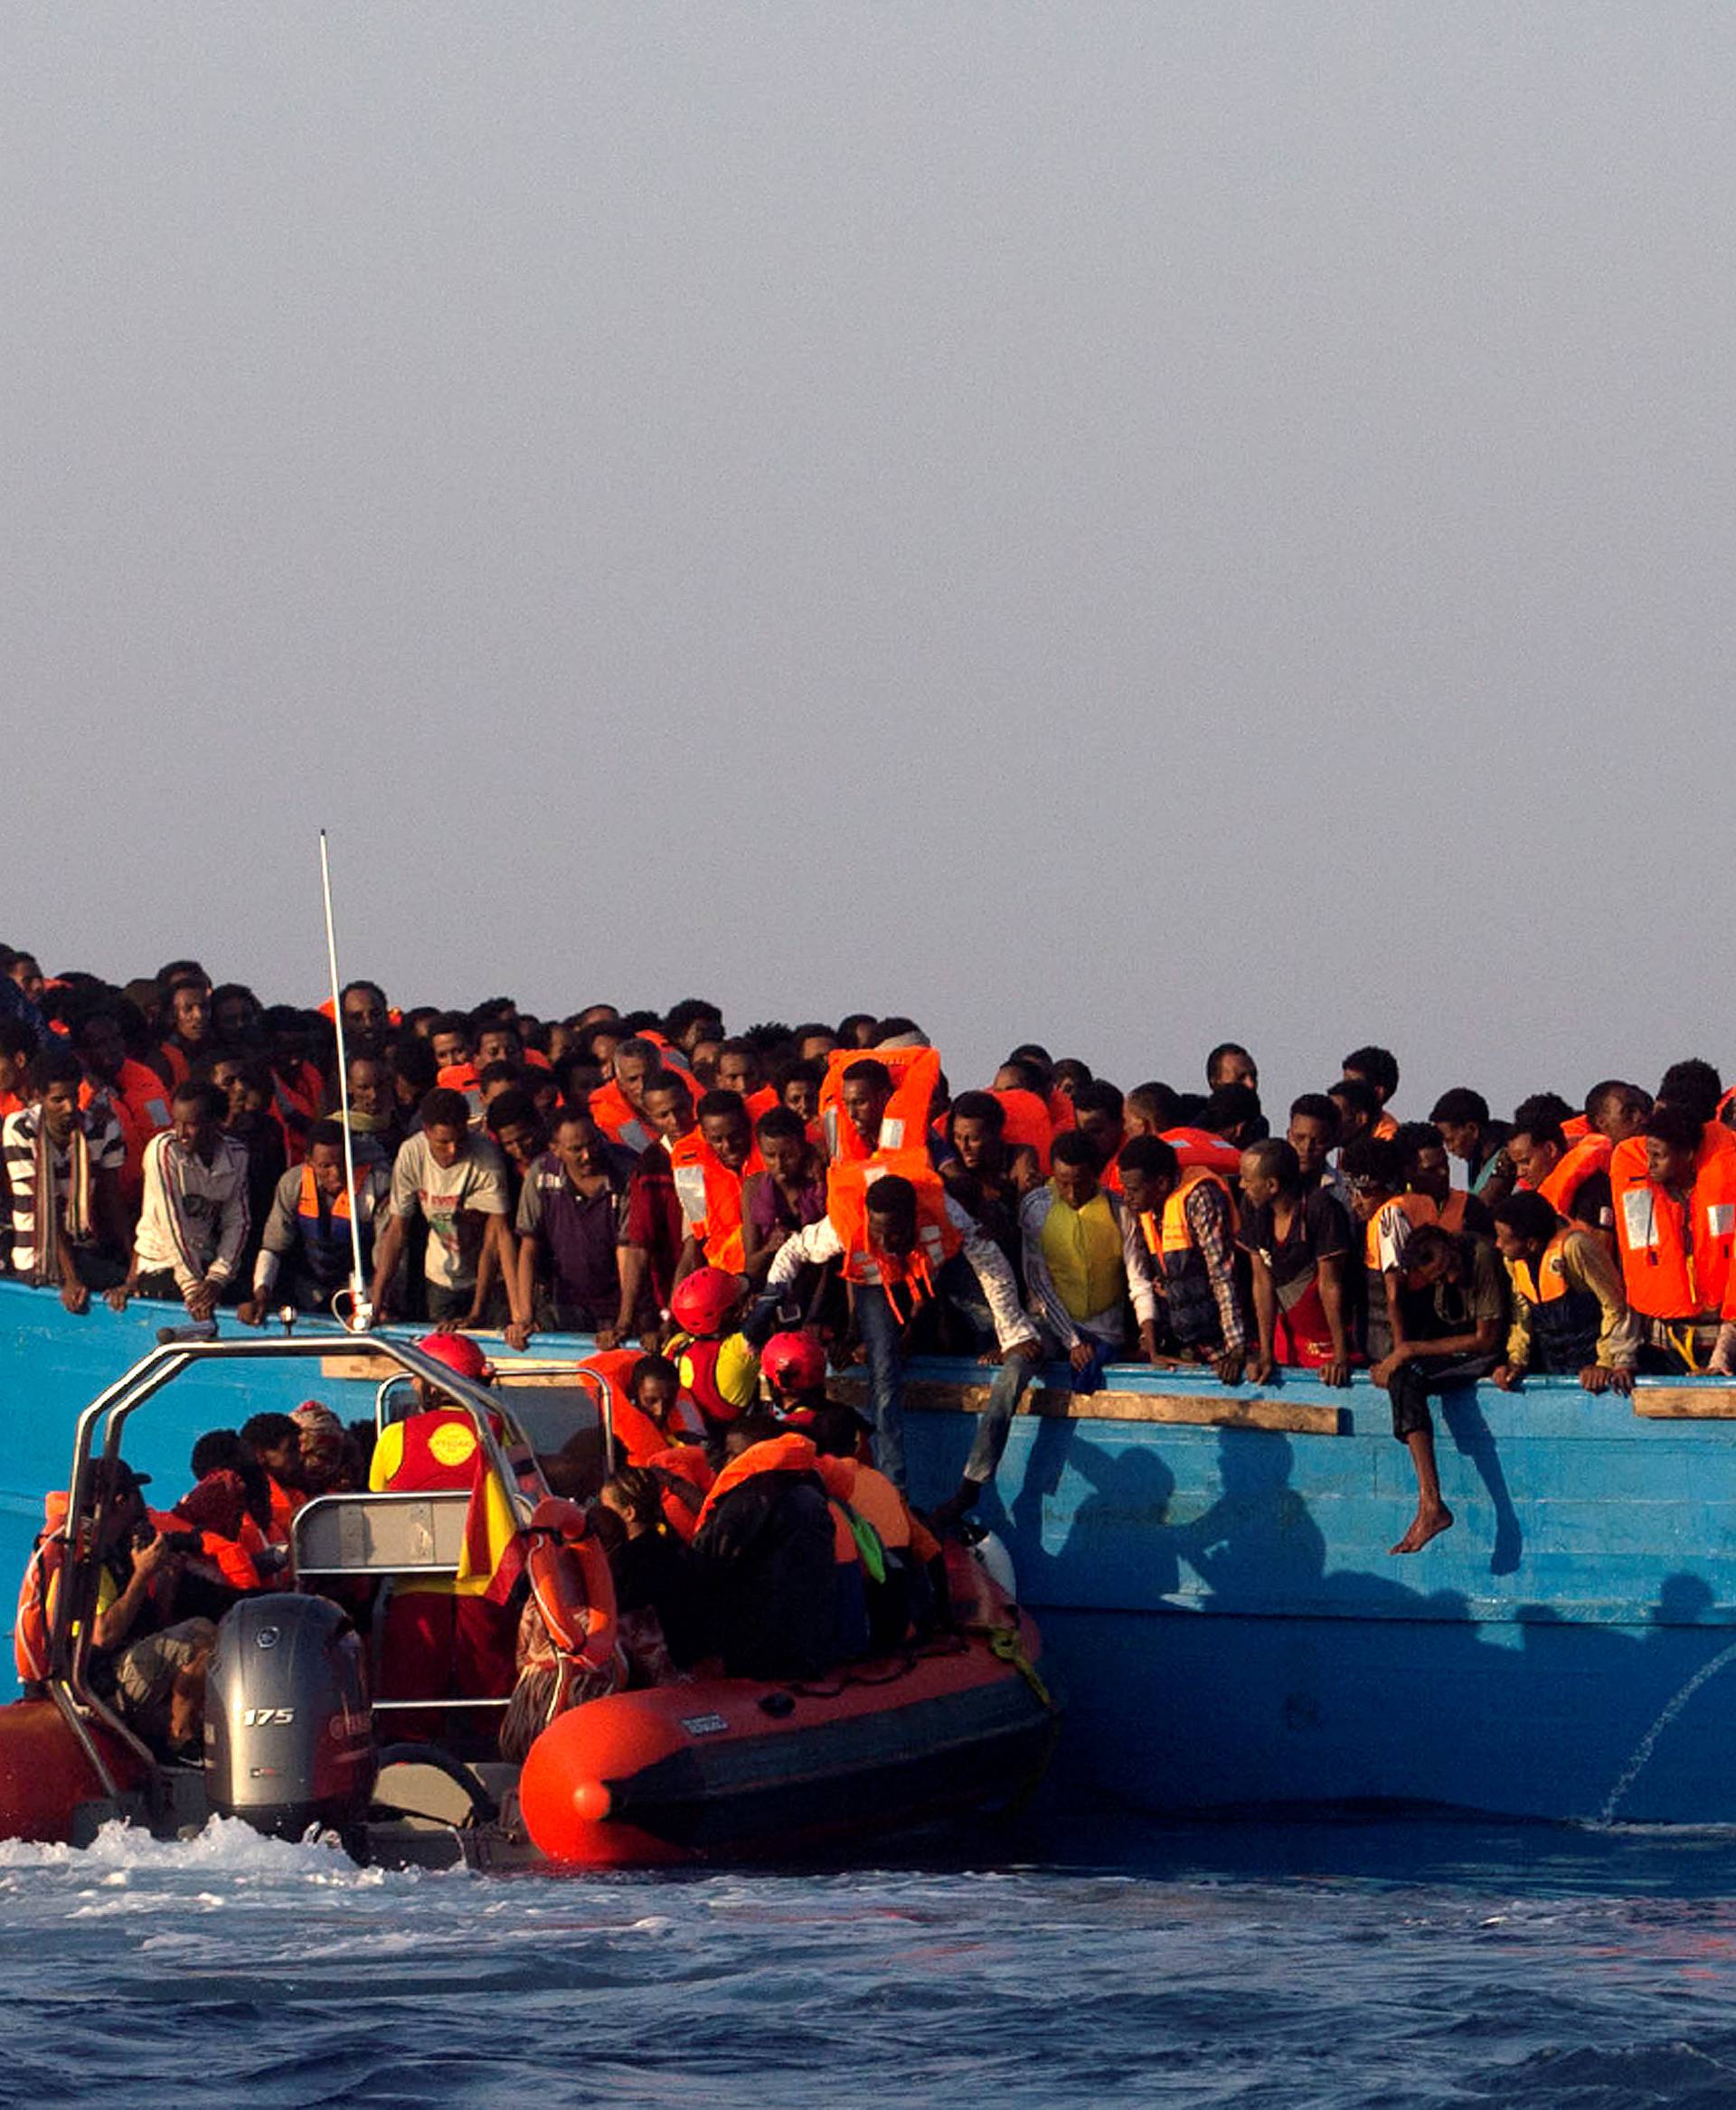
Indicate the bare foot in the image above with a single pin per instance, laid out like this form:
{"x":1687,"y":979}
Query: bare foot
{"x":1428,"y":1523}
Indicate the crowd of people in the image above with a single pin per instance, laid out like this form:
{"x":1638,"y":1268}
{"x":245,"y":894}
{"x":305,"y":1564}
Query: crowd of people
{"x":179,"y":1139}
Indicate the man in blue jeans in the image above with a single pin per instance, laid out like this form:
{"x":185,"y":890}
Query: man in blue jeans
{"x":904,"y":1253}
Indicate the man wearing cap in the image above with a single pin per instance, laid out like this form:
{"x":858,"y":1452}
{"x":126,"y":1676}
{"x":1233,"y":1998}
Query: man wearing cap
{"x":449,"y":1637}
{"x":150,"y":1663}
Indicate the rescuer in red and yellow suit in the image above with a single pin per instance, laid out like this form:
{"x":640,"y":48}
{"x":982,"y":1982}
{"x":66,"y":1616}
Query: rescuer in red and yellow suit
{"x":449,"y":1637}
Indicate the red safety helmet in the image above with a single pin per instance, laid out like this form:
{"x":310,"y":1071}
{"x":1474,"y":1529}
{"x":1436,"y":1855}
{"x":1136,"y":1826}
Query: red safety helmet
{"x":793,"y":1363}
{"x":458,"y":1353}
{"x":702,"y":1302}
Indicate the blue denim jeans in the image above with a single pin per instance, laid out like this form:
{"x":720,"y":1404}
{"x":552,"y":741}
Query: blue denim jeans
{"x":957,"y":1287}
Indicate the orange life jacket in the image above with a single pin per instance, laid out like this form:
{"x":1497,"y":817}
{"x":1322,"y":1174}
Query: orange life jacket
{"x":1675,"y":1256}
{"x":640,"y":1436}
{"x":916,"y":1076}
{"x":846,"y":1205}
{"x":139,"y":1101}
{"x":297,"y":1101}
{"x":30,"y":1631}
{"x":1029,"y":1124}
{"x":790,"y":1453}
{"x":1585,"y":1159}
{"x":685,"y":1477}
{"x":1577,"y":1126}
{"x":871,"y":1494}
{"x":1174,"y":1233}
{"x":711,"y":1199}
{"x":762,"y":1101}
{"x":1418,"y":1208}
{"x":1199,"y":1146}
{"x":619,"y":1118}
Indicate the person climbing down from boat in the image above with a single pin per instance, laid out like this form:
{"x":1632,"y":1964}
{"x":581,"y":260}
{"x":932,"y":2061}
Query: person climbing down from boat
{"x":155,"y":1627}
{"x":718,"y":1365}
{"x":654,"y":1231}
{"x":1449,"y":1323}
{"x":1569,"y":1314}
{"x":1378,"y":1069}
{"x":1675,"y":1195}
{"x":1461,"y":1118}
{"x":709,"y":1167}
{"x":571,"y":1211}
{"x":1428,"y":1172}
{"x":453,"y":1180}
{"x":1181,"y":1223}
{"x":1574,"y":1178}
{"x":193,"y":1220}
{"x":1388,"y":1216}
{"x":904,"y":1244}
{"x":1084,"y":1260}
{"x":306,"y":1255}
{"x":786,"y":1197}
{"x":60,"y":1212}
{"x":1298,"y":1244}
{"x":765,"y":1558}
{"x":449,"y":1637}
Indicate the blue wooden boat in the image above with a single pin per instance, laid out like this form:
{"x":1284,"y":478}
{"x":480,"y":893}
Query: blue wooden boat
{"x":1209,"y":1571}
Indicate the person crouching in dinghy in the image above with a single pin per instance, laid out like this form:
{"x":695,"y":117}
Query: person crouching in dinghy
{"x":448,"y":1638}
{"x":764,"y":1556}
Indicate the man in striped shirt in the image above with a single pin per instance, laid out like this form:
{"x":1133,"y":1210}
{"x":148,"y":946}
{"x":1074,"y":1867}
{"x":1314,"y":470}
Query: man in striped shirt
{"x":61,"y":1185}
{"x":192,"y":1226}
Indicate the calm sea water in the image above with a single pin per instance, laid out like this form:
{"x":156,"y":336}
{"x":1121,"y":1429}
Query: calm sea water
{"x":1380,"y":1962}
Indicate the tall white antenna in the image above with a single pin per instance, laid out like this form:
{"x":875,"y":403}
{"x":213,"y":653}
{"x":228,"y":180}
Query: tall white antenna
{"x":361,"y":1311}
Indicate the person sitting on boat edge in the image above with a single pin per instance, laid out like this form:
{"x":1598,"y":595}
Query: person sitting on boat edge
{"x":1448,"y":1328}
{"x":904,"y":1242}
{"x":1569,"y":1314}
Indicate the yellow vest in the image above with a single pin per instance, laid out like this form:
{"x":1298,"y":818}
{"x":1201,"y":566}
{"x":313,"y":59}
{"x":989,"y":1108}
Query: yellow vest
{"x":1083,"y":1250}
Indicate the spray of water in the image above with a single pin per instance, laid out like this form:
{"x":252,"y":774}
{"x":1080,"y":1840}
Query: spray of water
{"x":1647,"y":1744}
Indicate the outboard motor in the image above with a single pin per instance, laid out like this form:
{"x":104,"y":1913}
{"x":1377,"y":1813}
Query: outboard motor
{"x":289,"y":1736}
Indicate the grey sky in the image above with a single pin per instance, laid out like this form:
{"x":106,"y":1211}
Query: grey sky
{"x":1123,"y":525}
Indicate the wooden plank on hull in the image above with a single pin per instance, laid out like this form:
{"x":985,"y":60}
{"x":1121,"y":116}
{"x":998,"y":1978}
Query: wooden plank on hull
{"x":1685,"y":1402}
{"x":1179,"y":1409}
{"x":370,"y":1365}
